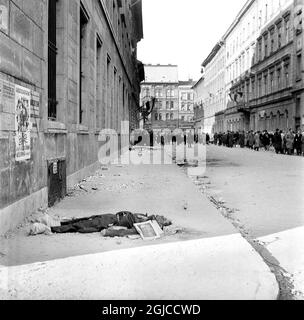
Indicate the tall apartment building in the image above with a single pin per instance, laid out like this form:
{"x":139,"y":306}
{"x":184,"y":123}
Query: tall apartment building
{"x":214,"y":83}
{"x":260,"y":67}
{"x":174,"y":99}
{"x":199,"y":98}
{"x":186,"y":102}
{"x":68,"y":69}
{"x":263,"y":69}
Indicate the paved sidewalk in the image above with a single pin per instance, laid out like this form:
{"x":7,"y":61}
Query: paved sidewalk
{"x":216,"y":269}
{"x":209,"y":260}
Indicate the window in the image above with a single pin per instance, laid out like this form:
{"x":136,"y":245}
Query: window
{"x":252,"y":87}
{"x":279,"y":36}
{"x":98,"y":83}
{"x":82,"y":42}
{"x":171,"y":105}
{"x":287,"y":26}
{"x":167,"y":105}
{"x":271,"y":82}
{"x":279,"y":77}
{"x":260,"y":49}
{"x":260,"y":87}
{"x":52,"y":61}
{"x":160,"y":117}
{"x":167,"y":116}
{"x":156,"y":117}
{"x":299,"y":67}
{"x":272,"y":42}
{"x":265,"y":46}
{"x":286,"y":67}
{"x":171,"y":116}
{"x":265,"y":84}
{"x":109,"y":88}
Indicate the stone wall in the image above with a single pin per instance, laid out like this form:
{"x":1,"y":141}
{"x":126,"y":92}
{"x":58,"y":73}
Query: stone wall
{"x":110,"y":92}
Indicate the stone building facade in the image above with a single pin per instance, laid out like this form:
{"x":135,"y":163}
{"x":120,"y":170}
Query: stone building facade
{"x":186,"y":101}
{"x":263,"y":69}
{"x":170,"y":110}
{"x":264,"y":97}
{"x":214,"y":83}
{"x":68,"y":69}
{"x":199,"y":98}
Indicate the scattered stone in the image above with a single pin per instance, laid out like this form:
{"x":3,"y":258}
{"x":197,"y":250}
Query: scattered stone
{"x":83,"y":188}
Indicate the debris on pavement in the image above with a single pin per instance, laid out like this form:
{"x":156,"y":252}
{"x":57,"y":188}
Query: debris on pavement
{"x":39,"y":228}
{"x":149,"y":230}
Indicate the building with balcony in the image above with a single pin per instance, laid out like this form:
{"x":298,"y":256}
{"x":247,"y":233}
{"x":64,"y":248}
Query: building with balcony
{"x":68,"y":69}
{"x":169,"y":112}
{"x":265,"y":96}
{"x":214,"y":86}
{"x":263,"y":70}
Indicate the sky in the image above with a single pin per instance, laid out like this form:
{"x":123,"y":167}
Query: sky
{"x":183,"y":32}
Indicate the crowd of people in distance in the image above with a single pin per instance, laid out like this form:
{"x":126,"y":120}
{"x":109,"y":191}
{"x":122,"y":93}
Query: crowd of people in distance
{"x":281,"y":142}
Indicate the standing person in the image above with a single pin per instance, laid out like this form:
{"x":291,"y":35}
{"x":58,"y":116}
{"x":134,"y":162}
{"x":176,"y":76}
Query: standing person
{"x":290,"y":142}
{"x":277,"y":142}
{"x":230,"y":139}
{"x":207,"y":138}
{"x":237,"y":138}
{"x":190,"y":138}
{"x":257,"y":141}
{"x":242,"y":139}
{"x":270,"y":139}
{"x":215,"y":139}
{"x":298,"y":143}
{"x":246,"y":139}
{"x":220,"y":138}
{"x":251,"y":139}
{"x":283,"y":135}
{"x":266,"y":140}
{"x":302,"y":143}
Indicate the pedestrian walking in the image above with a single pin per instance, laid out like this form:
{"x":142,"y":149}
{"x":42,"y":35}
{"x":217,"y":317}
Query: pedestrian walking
{"x":277,"y":142}
{"x":302,"y":139}
{"x":242,"y":139}
{"x":207,"y":138}
{"x":251,"y":139}
{"x":283,"y":135}
{"x":230,"y":139}
{"x":298,"y":143}
{"x":290,"y":142}
{"x":257,"y":141}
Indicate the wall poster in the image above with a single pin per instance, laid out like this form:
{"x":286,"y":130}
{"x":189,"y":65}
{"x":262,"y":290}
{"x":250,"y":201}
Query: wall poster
{"x":22,"y":123}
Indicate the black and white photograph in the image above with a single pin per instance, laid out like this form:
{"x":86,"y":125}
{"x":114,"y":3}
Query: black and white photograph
{"x":151,"y":150}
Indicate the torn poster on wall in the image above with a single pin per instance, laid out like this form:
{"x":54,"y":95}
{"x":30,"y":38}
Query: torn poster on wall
{"x":35,"y":108}
{"x":7,"y":97}
{"x":22,"y":123}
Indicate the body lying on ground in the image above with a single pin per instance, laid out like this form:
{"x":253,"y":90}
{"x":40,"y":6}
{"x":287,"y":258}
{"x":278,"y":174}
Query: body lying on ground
{"x":101,"y":222}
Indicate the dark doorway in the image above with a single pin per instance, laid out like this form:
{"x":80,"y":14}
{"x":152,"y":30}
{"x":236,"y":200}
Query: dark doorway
{"x":56,"y":181}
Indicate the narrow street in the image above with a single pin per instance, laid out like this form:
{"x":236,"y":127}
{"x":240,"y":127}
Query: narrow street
{"x":204,"y":252}
{"x":265,"y":194}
